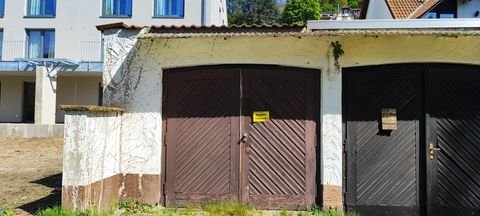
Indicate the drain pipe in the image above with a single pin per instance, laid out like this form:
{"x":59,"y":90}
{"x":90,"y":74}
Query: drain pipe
{"x":204,"y":11}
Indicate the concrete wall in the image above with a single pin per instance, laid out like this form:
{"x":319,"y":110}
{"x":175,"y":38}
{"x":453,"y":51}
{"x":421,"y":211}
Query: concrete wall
{"x":93,"y":149}
{"x":133,"y":81}
{"x":75,"y":23}
{"x":378,"y":9}
{"x":467,"y":9}
{"x":77,"y":90}
{"x":11,"y":96}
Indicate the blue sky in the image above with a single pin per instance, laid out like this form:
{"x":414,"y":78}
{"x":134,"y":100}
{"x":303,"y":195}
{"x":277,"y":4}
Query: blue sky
{"x":281,"y":1}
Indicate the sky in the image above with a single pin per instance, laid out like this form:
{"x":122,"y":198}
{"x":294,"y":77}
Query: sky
{"x":281,"y":1}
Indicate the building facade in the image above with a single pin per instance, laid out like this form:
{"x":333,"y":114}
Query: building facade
{"x":63,"y":32}
{"x":420,"y":9}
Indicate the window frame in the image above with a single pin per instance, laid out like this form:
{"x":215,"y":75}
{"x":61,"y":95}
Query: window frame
{"x":168,"y":16}
{"x":104,"y":15}
{"x":42,"y":47}
{"x":43,"y":13}
{"x":2,"y":11}
{"x":1,"y":44}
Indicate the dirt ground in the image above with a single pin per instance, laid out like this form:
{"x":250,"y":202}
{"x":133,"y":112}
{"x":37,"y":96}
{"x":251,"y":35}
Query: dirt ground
{"x":30,"y":173}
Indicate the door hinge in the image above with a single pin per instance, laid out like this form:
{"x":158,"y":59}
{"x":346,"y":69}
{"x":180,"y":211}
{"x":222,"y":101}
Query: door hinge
{"x":344,"y":145}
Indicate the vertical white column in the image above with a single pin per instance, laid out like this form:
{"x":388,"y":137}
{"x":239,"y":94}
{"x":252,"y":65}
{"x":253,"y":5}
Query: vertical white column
{"x":45,"y":96}
{"x":331,"y":132}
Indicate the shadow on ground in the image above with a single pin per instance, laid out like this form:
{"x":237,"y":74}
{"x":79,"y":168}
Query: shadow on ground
{"x":54,"y":182}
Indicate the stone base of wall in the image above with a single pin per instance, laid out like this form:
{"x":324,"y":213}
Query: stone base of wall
{"x":105,"y":193}
{"x":332,"y":197}
{"x":31,"y":130}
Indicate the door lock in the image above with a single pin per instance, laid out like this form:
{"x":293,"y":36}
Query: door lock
{"x":244,"y":138}
{"x":432,"y":151}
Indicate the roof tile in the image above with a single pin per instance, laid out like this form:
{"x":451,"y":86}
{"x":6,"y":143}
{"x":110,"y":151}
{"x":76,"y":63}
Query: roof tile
{"x":408,"y":9}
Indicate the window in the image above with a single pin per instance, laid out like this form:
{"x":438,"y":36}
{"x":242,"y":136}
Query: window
{"x":1,"y":44}
{"x":169,"y":8}
{"x":117,"y":8}
{"x":41,"y":44}
{"x":41,"y":8}
{"x":2,"y":8}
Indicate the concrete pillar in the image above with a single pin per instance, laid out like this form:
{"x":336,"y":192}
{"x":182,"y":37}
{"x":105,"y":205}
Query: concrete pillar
{"x":331,"y":137}
{"x":45,"y":96}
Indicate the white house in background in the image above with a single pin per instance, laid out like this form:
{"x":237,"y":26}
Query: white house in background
{"x":420,"y":9}
{"x":61,"y":35}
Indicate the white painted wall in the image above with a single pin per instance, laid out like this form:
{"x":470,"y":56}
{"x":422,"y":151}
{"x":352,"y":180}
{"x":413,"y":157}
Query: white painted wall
{"x":467,"y":8}
{"x":76,"y":90}
{"x":91,"y":150}
{"x":216,"y":12}
{"x":378,"y":9}
{"x":141,"y":134}
{"x":45,"y":96}
{"x":75,"y":23}
{"x":11,"y":96}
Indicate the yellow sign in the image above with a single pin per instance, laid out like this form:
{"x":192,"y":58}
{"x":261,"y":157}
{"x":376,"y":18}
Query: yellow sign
{"x":261,"y":116}
{"x":389,"y":119}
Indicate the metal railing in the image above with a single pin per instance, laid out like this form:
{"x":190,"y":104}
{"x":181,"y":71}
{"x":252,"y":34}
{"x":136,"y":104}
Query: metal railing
{"x":12,"y":50}
{"x":91,"y":51}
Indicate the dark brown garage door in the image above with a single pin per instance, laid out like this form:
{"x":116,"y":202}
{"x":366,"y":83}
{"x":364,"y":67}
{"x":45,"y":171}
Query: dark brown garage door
{"x":428,"y":164}
{"x":215,"y":151}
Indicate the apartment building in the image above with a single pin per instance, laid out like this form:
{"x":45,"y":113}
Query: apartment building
{"x":51,"y":52}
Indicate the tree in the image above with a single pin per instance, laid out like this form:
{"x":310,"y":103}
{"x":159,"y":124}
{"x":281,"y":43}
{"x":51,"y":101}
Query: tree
{"x":327,"y":7}
{"x":252,"y":12}
{"x":300,"y":11}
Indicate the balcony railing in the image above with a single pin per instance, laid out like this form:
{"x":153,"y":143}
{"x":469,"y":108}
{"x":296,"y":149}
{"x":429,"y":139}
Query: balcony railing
{"x":90,"y":51}
{"x":12,"y":50}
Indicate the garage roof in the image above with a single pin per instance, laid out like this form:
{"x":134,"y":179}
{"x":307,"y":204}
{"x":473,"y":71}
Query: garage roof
{"x":454,"y":27}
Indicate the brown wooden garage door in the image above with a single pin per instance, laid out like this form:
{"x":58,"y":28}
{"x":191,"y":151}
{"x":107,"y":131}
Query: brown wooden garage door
{"x":216,"y":151}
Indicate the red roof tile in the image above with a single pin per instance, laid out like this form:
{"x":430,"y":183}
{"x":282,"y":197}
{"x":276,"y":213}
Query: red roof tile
{"x":409,"y":9}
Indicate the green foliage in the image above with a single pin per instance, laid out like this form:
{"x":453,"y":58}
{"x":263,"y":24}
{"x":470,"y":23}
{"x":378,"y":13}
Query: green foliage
{"x":6,"y":212}
{"x":227,"y":209}
{"x":317,"y":211}
{"x":300,"y":11}
{"x":59,"y":211}
{"x":327,"y":7}
{"x":337,"y":50}
{"x":252,"y":12}
{"x":354,"y":4}
{"x":134,"y":208}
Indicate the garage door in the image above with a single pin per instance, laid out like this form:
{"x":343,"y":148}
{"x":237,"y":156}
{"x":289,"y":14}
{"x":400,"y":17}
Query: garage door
{"x":412,"y":134}
{"x":241,"y":134}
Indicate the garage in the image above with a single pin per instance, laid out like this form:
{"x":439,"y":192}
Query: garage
{"x":412,"y":139}
{"x":243,"y":134}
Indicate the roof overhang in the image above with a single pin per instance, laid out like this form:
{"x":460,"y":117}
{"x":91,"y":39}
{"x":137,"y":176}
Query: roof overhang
{"x":443,"y":27}
{"x":390,"y":24}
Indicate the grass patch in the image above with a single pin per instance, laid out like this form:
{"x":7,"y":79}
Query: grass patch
{"x":227,"y":209}
{"x":316,"y":211}
{"x":127,"y":208}
{"x":6,"y":212}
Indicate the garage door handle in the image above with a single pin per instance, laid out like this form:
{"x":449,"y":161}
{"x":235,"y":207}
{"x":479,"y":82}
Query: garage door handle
{"x":244,"y":138}
{"x":432,"y":151}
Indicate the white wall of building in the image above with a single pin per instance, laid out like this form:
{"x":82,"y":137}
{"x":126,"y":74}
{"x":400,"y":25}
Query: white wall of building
{"x":378,"y":9}
{"x":75,"y":23}
{"x":468,"y":8}
{"x":11,"y":97}
{"x":78,"y":90}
